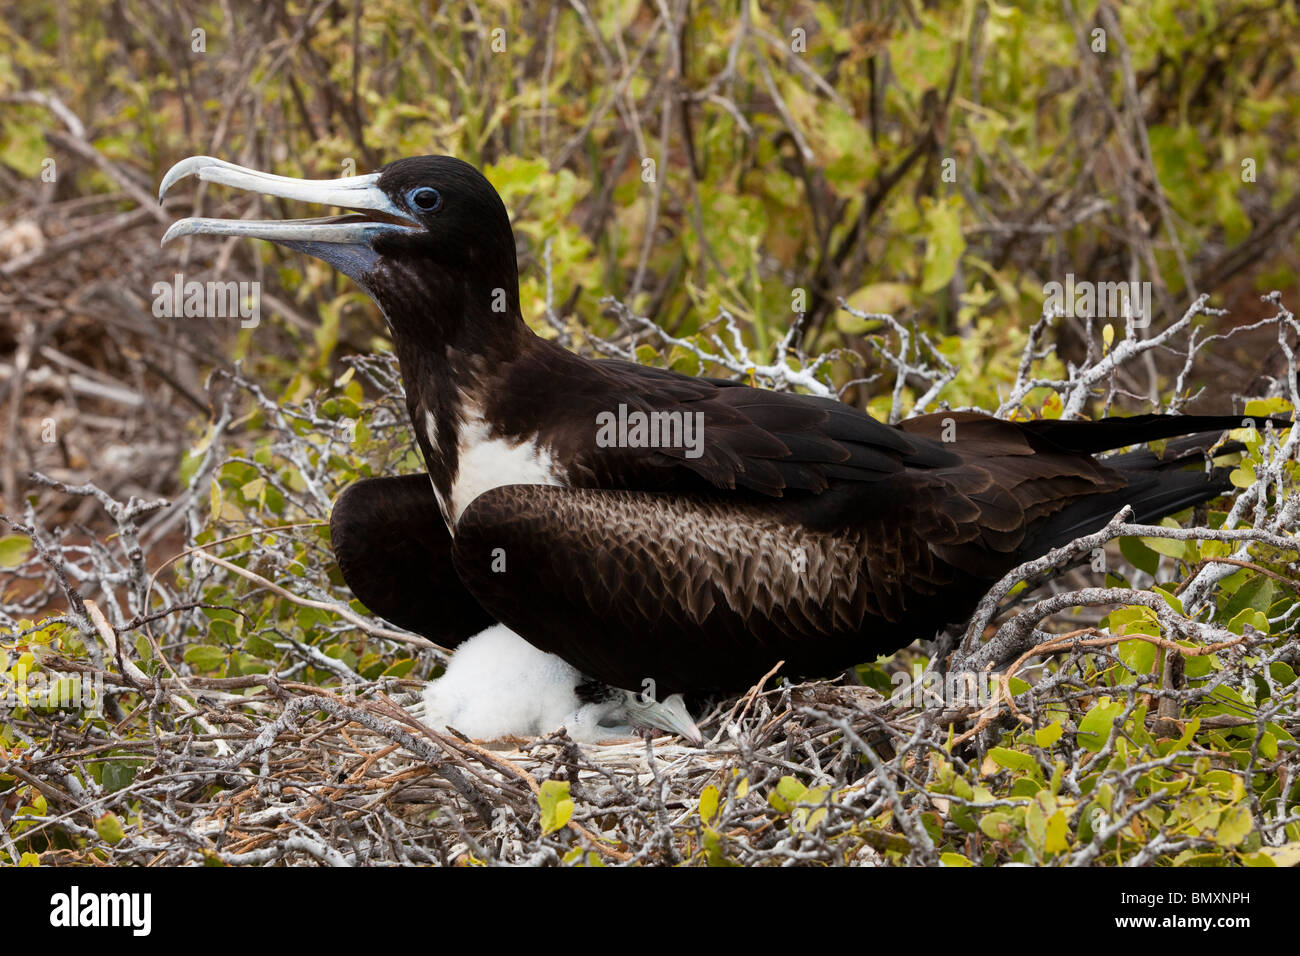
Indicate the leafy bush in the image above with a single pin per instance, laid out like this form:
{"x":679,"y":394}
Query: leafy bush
{"x":801,"y":196}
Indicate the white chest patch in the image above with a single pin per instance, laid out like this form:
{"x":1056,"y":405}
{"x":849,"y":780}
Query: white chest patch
{"x":484,"y":462}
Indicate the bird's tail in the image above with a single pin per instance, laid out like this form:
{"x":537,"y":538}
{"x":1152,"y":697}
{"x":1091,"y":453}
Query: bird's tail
{"x":1105,"y":434}
{"x":1151,"y":495}
{"x":1158,"y":485}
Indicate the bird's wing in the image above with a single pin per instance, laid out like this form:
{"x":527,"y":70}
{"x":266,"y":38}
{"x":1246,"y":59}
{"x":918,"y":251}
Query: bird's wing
{"x":394,"y":551}
{"x":706,"y":591}
{"x":780,"y":443}
{"x":770,"y":443}
{"x":840,"y":462}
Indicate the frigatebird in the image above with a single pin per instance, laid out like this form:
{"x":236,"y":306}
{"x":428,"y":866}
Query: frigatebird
{"x":790,"y":527}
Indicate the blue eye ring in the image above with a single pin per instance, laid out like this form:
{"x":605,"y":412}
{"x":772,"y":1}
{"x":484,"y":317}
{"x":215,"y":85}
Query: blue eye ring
{"x":425,"y":199}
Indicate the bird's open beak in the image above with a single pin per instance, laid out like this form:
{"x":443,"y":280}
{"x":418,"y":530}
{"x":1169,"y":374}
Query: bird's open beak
{"x":669,"y":714}
{"x":343,"y":241}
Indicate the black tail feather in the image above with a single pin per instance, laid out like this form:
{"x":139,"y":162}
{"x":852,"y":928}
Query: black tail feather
{"x":1105,"y":434}
{"x":1151,"y":495}
{"x":1158,"y":485}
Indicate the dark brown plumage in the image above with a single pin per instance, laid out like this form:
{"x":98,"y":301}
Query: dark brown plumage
{"x":409,"y":578}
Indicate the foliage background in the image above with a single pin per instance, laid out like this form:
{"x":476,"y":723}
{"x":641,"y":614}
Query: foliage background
{"x":936,"y":162}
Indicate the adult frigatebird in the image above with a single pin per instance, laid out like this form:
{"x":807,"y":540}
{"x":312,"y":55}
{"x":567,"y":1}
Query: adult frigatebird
{"x":787,"y":527}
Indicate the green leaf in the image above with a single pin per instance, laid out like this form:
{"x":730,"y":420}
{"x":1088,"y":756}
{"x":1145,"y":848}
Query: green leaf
{"x":259,"y":647}
{"x":1013,"y":759}
{"x":1267,"y":406}
{"x":1139,"y":555}
{"x":647,"y":355}
{"x":806,"y":819}
{"x":788,"y":792}
{"x":961,"y":816}
{"x":1254,"y":618}
{"x":14,"y":549}
{"x":253,"y":490}
{"x":1167,"y":546}
{"x":1286,"y":855}
{"x":117,"y":775}
{"x":1133,"y":619}
{"x":1166,"y":591}
{"x":1094,"y":729}
{"x":1139,"y":655}
{"x":109,"y":828}
{"x":205,"y":657}
{"x":1036,"y":825}
{"x":556,"y":805}
{"x":954,"y":859}
{"x":1057,"y":828}
{"x":1234,"y":826}
{"x":709,"y":804}
{"x":1026,"y":786}
{"x":715,"y":851}
{"x":1258,"y":592}
{"x":997,"y":825}
{"x":742,"y":786}
{"x":944,"y":244}
{"x":399,"y":668}
{"x":1046,"y":736}
{"x":1267,"y":746}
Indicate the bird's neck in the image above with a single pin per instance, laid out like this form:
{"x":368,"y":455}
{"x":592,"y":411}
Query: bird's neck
{"x":452,"y":327}
{"x":448,"y":385}
{"x":467,"y":372}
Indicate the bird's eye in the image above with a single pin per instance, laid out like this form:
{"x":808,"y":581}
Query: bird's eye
{"x":426,"y":198}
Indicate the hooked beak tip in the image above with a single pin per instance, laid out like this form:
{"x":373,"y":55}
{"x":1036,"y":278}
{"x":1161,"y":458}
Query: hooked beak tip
{"x":181,"y":227}
{"x":186,"y":167}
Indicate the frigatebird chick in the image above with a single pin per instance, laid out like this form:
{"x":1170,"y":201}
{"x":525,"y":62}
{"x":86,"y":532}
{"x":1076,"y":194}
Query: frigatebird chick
{"x":777,"y":527}
{"x":499,"y":685}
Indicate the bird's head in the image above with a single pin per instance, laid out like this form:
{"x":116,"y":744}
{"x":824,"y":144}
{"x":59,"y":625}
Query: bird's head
{"x":426,"y":237}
